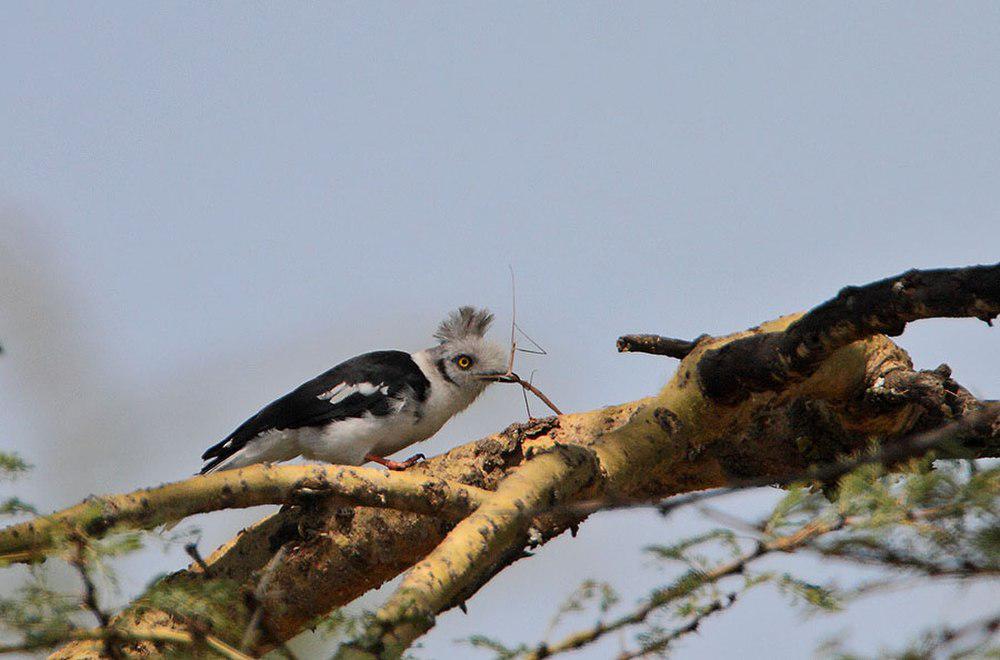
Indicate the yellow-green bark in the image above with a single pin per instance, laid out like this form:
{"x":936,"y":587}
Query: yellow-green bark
{"x":251,"y":486}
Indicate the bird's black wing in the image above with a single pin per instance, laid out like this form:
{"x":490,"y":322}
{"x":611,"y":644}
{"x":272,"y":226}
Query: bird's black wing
{"x":366,"y":384}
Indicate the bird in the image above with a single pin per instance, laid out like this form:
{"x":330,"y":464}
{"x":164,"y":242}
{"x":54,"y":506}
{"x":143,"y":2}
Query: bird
{"x":372,"y":405}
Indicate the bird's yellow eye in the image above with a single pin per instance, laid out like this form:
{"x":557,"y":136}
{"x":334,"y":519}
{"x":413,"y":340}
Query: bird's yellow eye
{"x":463,"y":361}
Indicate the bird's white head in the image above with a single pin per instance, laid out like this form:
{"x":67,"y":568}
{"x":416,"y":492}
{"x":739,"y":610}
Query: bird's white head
{"x":464,"y":358}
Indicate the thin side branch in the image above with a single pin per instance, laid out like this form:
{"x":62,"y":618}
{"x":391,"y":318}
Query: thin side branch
{"x":657,"y":646}
{"x":157,"y":634}
{"x":658,"y":345}
{"x":252,"y":631}
{"x":252,"y":486}
{"x":984,"y":629}
{"x":683,"y":586}
{"x":79,"y":561}
{"x":809,"y":536}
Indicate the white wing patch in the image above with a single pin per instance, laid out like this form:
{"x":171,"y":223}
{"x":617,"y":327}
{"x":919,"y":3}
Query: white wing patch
{"x":340,"y":392}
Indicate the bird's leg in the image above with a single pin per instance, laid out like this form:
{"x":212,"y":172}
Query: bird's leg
{"x":394,"y":465}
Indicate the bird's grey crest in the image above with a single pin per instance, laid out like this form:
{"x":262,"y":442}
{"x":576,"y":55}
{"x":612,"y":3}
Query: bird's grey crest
{"x":464,"y":322}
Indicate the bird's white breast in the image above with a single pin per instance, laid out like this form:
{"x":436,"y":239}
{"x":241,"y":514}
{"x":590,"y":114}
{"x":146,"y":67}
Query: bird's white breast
{"x":348,"y":441}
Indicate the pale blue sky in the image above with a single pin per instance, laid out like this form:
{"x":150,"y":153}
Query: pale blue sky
{"x":203,"y":205}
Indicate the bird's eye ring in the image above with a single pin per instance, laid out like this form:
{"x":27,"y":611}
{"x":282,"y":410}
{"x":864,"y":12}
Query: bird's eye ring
{"x":463,"y":361}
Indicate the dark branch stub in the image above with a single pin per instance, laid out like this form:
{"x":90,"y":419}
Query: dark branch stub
{"x":657,"y":345}
{"x":769,"y":361}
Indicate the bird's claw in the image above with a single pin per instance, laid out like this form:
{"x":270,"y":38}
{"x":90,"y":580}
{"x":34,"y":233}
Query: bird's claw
{"x":412,"y":460}
{"x":396,"y":466}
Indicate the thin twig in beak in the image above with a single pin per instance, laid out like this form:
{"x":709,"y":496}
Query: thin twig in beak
{"x":514,"y":378}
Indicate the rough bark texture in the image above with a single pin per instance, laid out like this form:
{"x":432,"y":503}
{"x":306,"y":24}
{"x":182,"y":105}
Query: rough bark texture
{"x":768,"y":362}
{"x":763,"y":403}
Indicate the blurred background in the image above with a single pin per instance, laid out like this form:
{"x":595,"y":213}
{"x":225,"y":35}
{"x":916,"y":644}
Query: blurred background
{"x":202,"y":206}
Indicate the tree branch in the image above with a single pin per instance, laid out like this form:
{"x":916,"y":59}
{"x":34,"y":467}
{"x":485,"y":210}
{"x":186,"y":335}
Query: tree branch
{"x":472,"y":548}
{"x":657,"y":345}
{"x":687,"y":583}
{"x":701,"y":430}
{"x":82,"y":566}
{"x":660,"y":644}
{"x":157,"y":634}
{"x":767,"y":362}
{"x":251,"y":486}
{"x":975,"y":434}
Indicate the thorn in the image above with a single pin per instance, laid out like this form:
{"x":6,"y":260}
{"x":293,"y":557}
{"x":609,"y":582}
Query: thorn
{"x":524,"y":393}
{"x":573,"y":529}
{"x":539,"y":350}
{"x":461,"y":606}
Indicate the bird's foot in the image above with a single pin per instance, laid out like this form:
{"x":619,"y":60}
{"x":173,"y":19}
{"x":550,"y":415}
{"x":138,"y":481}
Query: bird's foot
{"x":395,"y":465}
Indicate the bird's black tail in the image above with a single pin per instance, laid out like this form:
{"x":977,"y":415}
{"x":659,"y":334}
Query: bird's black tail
{"x":225,"y":449}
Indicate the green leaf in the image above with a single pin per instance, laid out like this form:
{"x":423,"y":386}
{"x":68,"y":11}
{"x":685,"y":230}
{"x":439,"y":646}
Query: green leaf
{"x":812,"y":594}
{"x":16,"y":507}
{"x":676,"y":551}
{"x":500,"y":651}
{"x":12,"y":465}
{"x":987,"y":541}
